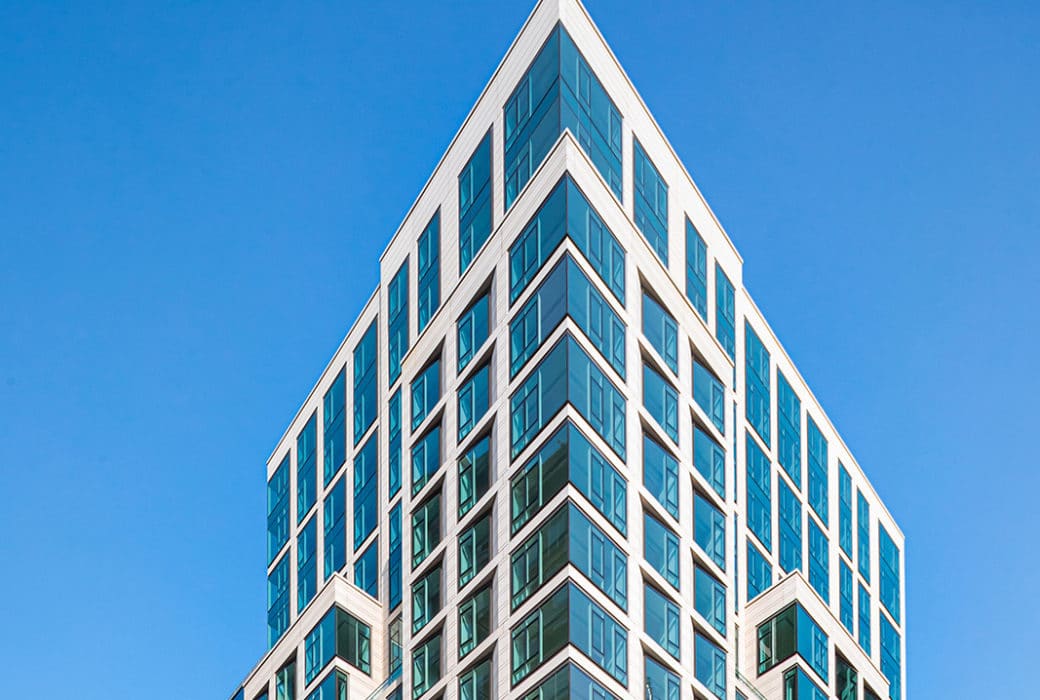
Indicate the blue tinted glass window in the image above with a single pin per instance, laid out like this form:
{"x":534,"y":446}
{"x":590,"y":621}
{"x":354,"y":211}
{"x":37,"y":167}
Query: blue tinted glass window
{"x":709,"y":460}
{"x":661,"y":684}
{"x":725,"y":313}
{"x":863,"y":534}
{"x":709,"y":664}
{"x":864,"y":618}
{"x":426,"y":391}
{"x":429,"y":255}
{"x":475,"y":203}
{"x":426,"y":529}
{"x":278,"y":600}
{"x":709,"y":529}
{"x":394,"y":434}
{"x":474,"y":397}
{"x":789,"y":429}
{"x":662,"y":619}
{"x":366,"y":570}
{"x":790,"y":527}
{"x":596,"y":556}
{"x":819,"y":561}
{"x":709,"y":395}
{"x":844,"y":510}
{"x":334,"y":524}
{"x":395,"y":563}
{"x":426,"y":665}
{"x":661,"y":401}
{"x":473,"y":330}
{"x":426,"y":598}
{"x":334,"y":427}
{"x":888,"y":580}
{"x":760,"y":573}
{"x":846,"y":589}
{"x":365,"y":383}
{"x":366,"y":491}
{"x":819,"y":483}
{"x":474,"y":474}
{"x":650,"y":208}
{"x":756,"y":383}
{"x":306,"y":468}
{"x":661,"y":549}
{"x":709,"y":599}
{"x":278,"y":509}
{"x":661,"y":475}
{"x":696,"y":270}
{"x":759,"y":492}
{"x":662,"y":331}
{"x":797,"y":684}
{"x":891,"y":658}
{"x":397,"y":321}
{"x":474,"y":549}
{"x":306,"y":564}
{"x":426,"y":458}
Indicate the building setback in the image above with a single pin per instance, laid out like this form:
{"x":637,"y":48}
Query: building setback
{"x":561,"y":453}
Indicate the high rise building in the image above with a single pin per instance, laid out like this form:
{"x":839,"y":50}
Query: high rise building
{"x":561,"y":453}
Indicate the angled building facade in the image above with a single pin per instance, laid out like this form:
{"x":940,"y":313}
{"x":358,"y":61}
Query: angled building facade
{"x":561,"y":453}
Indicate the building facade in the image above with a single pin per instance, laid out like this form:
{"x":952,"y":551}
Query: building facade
{"x":560,"y":453}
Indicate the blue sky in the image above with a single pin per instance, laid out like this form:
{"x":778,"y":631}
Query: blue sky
{"x":193,"y":197}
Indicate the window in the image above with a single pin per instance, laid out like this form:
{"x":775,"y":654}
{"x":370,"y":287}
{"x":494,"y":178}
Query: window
{"x":789,"y":429}
{"x":278,"y":600}
{"x":844,"y":510}
{"x":759,"y":492}
{"x":306,"y":469}
{"x":819,"y":561}
{"x":474,"y":398}
{"x":661,"y":684}
{"x":845,"y":584}
{"x":790,"y":527}
{"x":394,"y":434}
{"x":426,"y":598}
{"x":709,"y":664}
{"x":285,"y":682}
{"x":426,"y":665}
{"x":709,"y":529}
{"x":798,"y":686}
{"x":650,"y":208}
{"x":566,"y":292}
{"x":792,"y":631}
{"x":474,"y":549}
{"x":709,"y":460}
{"x":662,"y":619}
{"x":569,"y":682}
{"x":567,"y":456}
{"x":567,"y":374}
{"x":429,"y":271}
{"x":818,"y":480}
{"x":559,"y":91}
{"x":863,"y":522}
{"x":661,"y":549}
{"x":394,"y":566}
{"x":864,"y":618}
{"x":891,"y":658}
{"x":756,"y":375}
{"x":278,"y":510}
{"x":397,"y":321}
{"x":365,"y":408}
{"x":473,"y":329}
{"x":426,"y":392}
{"x":888,"y":570}
{"x":709,"y":598}
{"x":332,"y":687}
{"x":539,"y":635}
{"x":475,"y":203}
{"x":306,"y":563}
{"x":366,"y":570}
{"x":760,"y":572}
{"x":696,"y":270}
{"x":475,"y":684}
{"x":661,"y":401}
{"x":366,"y":491}
{"x":334,"y":428}
{"x":426,"y":458}
{"x":661,"y":475}
{"x":725,"y":314}
{"x":709,"y":395}
{"x":426,"y":529}
{"x":566,"y":214}
{"x":846,"y":679}
{"x":662,"y":331}
{"x":474,"y":620}
{"x":338,"y":634}
{"x":334,"y":521}
{"x":474,"y":474}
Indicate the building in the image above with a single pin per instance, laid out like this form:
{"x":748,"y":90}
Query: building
{"x":560,"y":453}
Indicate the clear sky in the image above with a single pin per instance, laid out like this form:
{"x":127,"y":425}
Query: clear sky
{"x":193,"y":197}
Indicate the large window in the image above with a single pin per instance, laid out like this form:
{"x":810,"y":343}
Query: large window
{"x":756,"y":383}
{"x":278,"y":600}
{"x":474,"y":474}
{"x":306,"y":468}
{"x":865,"y":616}
{"x":709,"y":529}
{"x":475,"y":203}
{"x":709,"y":460}
{"x":661,"y":684}
{"x":888,"y":580}
{"x":789,"y":429}
{"x":709,"y":394}
{"x":396,"y":558}
{"x":566,"y":214}
{"x":696,"y":270}
{"x":661,"y":549}
{"x":845,"y":612}
{"x":397,"y":321}
{"x":863,"y":534}
{"x":891,"y":658}
{"x":569,"y":616}
{"x":819,"y":561}
{"x":566,"y":292}
{"x":662,"y":619}
{"x":366,"y":570}
{"x":474,"y":398}
{"x":332,"y":687}
{"x":429,"y":291}
{"x":790,"y":527}
{"x":844,"y":510}
{"x":365,"y":408}
{"x":472,"y":329}
{"x":474,"y":620}
{"x":366,"y":491}
{"x":426,"y":598}
{"x":709,"y":598}
{"x":426,"y":529}
{"x":798,"y":686}
{"x":278,"y":509}
{"x":475,"y":684}
{"x":306,"y":563}
{"x":650,"y":208}
{"x":661,"y":401}
{"x":569,"y":682}
{"x":559,"y":91}
{"x":661,"y":475}
{"x":567,"y":374}
{"x":725,"y":313}
{"x":792,"y":631}
{"x":426,"y":665}
{"x":426,"y":458}
{"x":426,"y":391}
{"x":760,"y":572}
{"x":709,"y":664}
{"x":819,"y":483}
{"x":568,"y":456}
{"x":334,"y":526}
{"x":662,"y":331}
{"x":334,"y":427}
{"x":759,"y":492}
{"x":474,"y":549}
{"x":846,"y":679}
{"x":393,"y":421}
{"x":338,"y":634}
